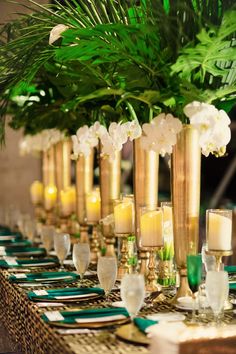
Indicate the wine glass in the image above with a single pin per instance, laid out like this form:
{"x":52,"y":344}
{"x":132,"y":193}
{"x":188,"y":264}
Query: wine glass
{"x":81,"y":258}
{"x":107,"y":274}
{"x":47,"y":237}
{"x":30,"y":229}
{"x":217,"y":291}
{"x":194,"y":273}
{"x":62,"y":247}
{"x":133,"y":293}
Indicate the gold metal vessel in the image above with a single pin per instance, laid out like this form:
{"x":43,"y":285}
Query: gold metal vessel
{"x":145,"y":177}
{"x":84,"y":185}
{"x":63,"y":164}
{"x":49,"y":168}
{"x":185,"y":176}
{"x":110,"y":176}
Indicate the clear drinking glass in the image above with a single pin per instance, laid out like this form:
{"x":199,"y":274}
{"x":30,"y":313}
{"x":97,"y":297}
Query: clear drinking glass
{"x":107,"y":274}
{"x":30,"y":229}
{"x":81,"y":258}
{"x":62,"y":247}
{"x":133,"y":293}
{"x":217,"y":291}
{"x":47,"y":237}
{"x":208,"y":260}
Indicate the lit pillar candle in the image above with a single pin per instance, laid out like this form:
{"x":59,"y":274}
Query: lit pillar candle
{"x":68,"y":201}
{"x":124,"y":217}
{"x":50,"y":196}
{"x":151,"y":228}
{"x":36,"y":191}
{"x":93,"y":206}
{"x":219,"y":232}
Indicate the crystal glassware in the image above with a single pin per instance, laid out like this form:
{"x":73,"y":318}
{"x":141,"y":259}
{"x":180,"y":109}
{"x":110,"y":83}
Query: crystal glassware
{"x":217,"y":291}
{"x":62,"y":247}
{"x":30,"y":229}
{"x":194,"y":273}
{"x":107,"y":274}
{"x":133,"y":293}
{"x":81,"y":258}
{"x":47,"y":237}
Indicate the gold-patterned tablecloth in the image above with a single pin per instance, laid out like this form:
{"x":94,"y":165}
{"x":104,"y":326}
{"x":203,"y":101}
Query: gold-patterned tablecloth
{"x":22,"y":319}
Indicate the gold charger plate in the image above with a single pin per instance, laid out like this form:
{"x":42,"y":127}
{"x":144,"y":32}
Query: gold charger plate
{"x":132,"y":334}
{"x":90,"y":324}
{"x":69,"y":300}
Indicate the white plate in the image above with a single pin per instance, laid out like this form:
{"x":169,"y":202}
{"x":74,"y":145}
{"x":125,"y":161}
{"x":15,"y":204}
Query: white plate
{"x":166,"y":317}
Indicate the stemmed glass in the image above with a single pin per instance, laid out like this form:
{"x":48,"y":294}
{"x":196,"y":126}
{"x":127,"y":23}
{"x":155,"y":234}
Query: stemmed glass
{"x":217,"y":291}
{"x":133,"y":293}
{"x":30,"y":229}
{"x":81,"y":258}
{"x":194,"y":273}
{"x":47,"y":237}
{"x":62,"y":247}
{"x":107,"y":274}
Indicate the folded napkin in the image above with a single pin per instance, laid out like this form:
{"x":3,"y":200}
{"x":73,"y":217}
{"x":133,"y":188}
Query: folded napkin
{"x":70,"y":317}
{"x":64,"y":294}
{"x":232,"y":286}
{"x":230,"y":269}
{"x":44,"y":277}
{"x":9,"y":262}
{"x":143,"y":323}
{"x":23,"y":250}
{"x":15,"y":243}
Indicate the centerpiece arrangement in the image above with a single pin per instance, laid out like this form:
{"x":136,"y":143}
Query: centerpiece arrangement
{"x":109,"y":73}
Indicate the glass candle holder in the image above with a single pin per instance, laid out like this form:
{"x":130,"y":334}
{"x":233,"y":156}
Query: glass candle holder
{"x":219,"y":229}
{"x":124,"y":216}
{"x":93,"y":206}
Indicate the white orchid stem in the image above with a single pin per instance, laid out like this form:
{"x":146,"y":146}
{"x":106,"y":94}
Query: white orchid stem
{"x":132,"y":111}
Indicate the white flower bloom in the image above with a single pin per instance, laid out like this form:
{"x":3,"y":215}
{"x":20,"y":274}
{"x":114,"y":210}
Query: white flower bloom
{"x":56,"y":32}
{"x":132,"y":129}
{"x":212,"y":125}
{"x":108,"y":220}
{"x":160,"y":134}
{"x":97,"y":130}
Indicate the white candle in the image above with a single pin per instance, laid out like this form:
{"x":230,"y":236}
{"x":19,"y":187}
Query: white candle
{"x":219,"y":232}
{"x":36,"y":191}
{"x":93,"y":206}
{"x":168,"y":223}
{"x":151,"y":228}
{"x":124,"y":217}
{"x":68,"y":201}
{"x":50,"y":197}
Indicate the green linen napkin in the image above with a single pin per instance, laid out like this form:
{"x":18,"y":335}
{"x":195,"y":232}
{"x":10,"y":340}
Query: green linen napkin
{"x":230,"y":269}
{"x":71,"y":316}
{"x":143,"y":323}
{"x":24,"y":250}
{"x":43,"y":277}
{"x":54,"y":293}
{"x":15,"y":243}
{"x":232,"y":286}
{"x":18,"y":263}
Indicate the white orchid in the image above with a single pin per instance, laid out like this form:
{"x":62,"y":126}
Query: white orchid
{"x":160,"y":135}
{"x":212,"y":125}
{"x":56,"y":32}
{"x":132,"y":129}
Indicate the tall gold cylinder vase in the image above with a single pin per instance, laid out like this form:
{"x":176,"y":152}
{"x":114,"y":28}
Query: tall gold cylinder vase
{"x":63,"y":164}
{"x":146,"y":167}
{"x":84,"y":185}
{"x":110,"y":178}
{"x":185,"y":175}
{"x":49,"y":168}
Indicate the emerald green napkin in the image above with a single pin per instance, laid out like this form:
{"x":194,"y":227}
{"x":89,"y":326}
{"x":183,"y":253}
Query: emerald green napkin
{"x":44,"y":277}
{"x":230,"y":269}
{"x":54,"y":293}
{"x":143,"y":323}
{"x":71,"y":316}
{"x":18,"y":263}
{"x":15,"y":243}
{"x":7,"y":232}
{"x":18,"y":250}
{"x":232,"y":286}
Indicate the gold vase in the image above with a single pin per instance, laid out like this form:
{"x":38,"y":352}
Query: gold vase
{"x":146,"y":166}
{"x":84,"y":185}
{"x":63,"y":164}
{"x":185,"y":179}
{"x":110,"y":176}
{"x":49,"y":168}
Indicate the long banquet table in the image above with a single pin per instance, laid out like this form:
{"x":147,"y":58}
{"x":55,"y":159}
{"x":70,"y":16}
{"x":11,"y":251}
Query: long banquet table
{"x":22,"y":319}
